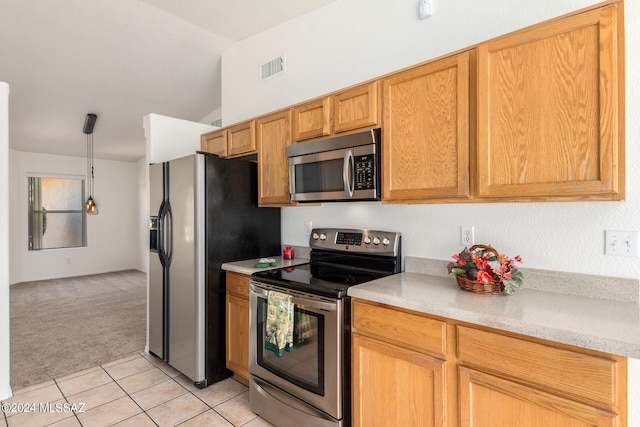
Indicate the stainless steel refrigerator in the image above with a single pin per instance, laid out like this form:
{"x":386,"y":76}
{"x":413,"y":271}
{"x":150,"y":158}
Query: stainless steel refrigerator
{"x":204,"y":213}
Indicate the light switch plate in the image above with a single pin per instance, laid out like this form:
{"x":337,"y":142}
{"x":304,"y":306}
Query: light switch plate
{"x":621,"y":243}
{"x":425,"y":8}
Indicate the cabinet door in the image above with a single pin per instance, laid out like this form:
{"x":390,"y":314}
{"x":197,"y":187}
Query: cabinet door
{"x":238,"y":284}
{"x":488,"y":401}
{"x":550,"y":109}
{"x":241,"y":139}
{"x":312,"y":119}
{"x":237,"y":335}
{"x":215,"y":143}
{"x":587,"y":378}
{"x":356,"y":108}
{"x":273,"y":134}
{"x":393,"y":386}
{"x":426,"y":132}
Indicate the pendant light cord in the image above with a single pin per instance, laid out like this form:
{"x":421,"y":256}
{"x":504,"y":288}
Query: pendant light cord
{"x":92,"y":177}
{"x":89,"y":172}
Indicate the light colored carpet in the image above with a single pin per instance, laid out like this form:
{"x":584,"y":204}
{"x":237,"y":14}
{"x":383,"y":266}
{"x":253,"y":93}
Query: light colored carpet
{"x":62,"y":326}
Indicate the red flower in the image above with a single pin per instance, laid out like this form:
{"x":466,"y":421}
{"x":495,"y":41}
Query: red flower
{"x":480,"y":263}
{"x":517,"y":258}
{"x":484,"y":277}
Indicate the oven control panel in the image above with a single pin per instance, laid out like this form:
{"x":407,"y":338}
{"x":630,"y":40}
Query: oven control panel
{"x":355,"y":240}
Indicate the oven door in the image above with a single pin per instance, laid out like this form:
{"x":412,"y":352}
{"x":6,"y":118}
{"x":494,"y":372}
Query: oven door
{"x":344,"y":174}
{"x":312,"y":370}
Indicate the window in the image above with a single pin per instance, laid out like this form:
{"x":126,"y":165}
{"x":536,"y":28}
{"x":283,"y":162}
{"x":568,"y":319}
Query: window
{"x":56,"y":215}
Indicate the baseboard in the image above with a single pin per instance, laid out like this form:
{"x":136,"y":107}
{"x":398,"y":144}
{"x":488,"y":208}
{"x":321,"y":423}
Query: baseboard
{"x":6,"y":393}
{"x":79,"y":274}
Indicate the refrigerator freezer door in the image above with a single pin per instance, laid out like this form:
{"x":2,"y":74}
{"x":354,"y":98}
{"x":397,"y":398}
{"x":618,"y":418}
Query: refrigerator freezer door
{"x":155,"y":274}
{"x":186,"y":284}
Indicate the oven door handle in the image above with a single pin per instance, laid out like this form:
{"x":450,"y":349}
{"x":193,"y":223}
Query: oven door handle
{"x":300,"y":302}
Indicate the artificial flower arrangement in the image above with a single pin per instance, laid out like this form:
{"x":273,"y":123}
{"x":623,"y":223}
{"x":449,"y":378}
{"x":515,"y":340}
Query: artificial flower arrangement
{"x":484,"y":266}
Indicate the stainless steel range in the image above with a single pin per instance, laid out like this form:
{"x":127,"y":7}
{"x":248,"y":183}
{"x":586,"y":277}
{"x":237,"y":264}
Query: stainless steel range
{"x":306,"y":380}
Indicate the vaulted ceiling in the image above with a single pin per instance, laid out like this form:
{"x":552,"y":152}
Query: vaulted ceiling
{"x":119,"y":59}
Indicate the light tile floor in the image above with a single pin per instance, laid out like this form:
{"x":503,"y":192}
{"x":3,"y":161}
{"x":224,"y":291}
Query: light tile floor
{"x":139,"y":390}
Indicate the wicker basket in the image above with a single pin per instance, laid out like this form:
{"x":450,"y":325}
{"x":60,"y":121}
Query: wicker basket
{"x":477,"y":286}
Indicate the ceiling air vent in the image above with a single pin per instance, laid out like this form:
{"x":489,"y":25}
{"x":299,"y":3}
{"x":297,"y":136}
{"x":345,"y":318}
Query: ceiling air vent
{"x":272,"y":68}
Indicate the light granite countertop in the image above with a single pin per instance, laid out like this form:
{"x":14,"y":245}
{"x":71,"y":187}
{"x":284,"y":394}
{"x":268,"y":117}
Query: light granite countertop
{"x":248,"y":266}
{"x":582,"y":321}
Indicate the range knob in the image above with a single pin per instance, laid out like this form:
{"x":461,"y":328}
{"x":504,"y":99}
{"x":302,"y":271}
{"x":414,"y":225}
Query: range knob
{"x":376,"y":241}
{"x":386,"y":241}
{"x":315,"y":236}
{"x":367,"y":240}
{"x":323,"y":236}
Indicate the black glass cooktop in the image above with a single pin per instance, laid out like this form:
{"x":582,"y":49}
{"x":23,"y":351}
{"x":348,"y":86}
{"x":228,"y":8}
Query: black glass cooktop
{"x":328,"y":275}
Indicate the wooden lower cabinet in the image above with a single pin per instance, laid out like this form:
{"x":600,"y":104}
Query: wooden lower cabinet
{"x":483,"y":378}
{"x":487,"y":401}
{"x":396,"y":386}
{"x":398,"y":371}
{"x":237,"y":325}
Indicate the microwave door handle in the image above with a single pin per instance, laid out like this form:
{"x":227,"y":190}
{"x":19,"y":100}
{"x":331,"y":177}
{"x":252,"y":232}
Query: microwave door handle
{"x":348,"y":173}
{"x":292,"y":181}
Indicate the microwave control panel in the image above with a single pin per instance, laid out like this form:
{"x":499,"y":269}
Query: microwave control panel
{"x":365,"y":172}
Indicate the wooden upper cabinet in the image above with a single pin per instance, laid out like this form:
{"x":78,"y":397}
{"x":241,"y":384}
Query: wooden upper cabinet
{"x":241,"y":139}
{"x":425,"y":122}
{"x":351,"y":109}
{"x":214,"y":142}
{"x":356,"y":108}
{"x":273,"y":134}
{"x":551,"y":110}
{"x":312,"y":119}
{"x":234,"y":141}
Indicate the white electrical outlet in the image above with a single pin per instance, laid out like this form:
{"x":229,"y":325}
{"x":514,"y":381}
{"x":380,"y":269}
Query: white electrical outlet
{"x":308,"y":226}
{"x":621,"y":243}
{"x":466,"y":235}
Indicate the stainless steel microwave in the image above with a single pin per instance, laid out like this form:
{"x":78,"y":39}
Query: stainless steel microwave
{"x":341,"y":168}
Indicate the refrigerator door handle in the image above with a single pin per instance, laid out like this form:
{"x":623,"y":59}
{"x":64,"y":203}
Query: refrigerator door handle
{"x":160,"y":236}
{"x":168,"y":234}
{"x":164,"y":229}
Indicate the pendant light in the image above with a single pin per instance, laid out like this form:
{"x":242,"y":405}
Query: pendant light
{"x":90,"y":205}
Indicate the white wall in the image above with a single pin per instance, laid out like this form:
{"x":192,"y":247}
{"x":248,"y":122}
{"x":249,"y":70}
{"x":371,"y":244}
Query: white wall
{"x":5,"y":387}
{"x":113,"y":236}
{"x":344,"y":43}
{"x":169,"y":138}
{"x":349,"y":41}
